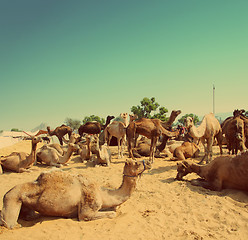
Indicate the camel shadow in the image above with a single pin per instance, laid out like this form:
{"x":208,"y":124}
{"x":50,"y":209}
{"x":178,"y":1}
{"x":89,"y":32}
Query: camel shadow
{"x":161,"y":170}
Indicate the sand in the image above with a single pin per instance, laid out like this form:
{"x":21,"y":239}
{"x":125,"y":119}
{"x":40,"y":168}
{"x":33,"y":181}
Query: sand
{"x":160,"y":208}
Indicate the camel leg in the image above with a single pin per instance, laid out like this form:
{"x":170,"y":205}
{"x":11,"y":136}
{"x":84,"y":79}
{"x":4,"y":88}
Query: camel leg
{"x":1,"y":169}
{"x":209,"y":149}
{"x":11,"y":209}
{"x":119,"y":148}
{"x":89,"y":210}
{"x":60,"y":140}
{"x":219,"y":138}
{"x":205,"y":150}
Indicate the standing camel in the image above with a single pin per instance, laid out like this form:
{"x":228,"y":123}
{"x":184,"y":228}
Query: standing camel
{"x":150,"y":128}
{"x":207,"y":131}
{"x":118,"y":130}
{"x":60,"y":132}
{"x":94,"y":127}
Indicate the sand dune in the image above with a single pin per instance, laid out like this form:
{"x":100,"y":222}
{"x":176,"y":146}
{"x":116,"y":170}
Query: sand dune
{"x":160,"y":208}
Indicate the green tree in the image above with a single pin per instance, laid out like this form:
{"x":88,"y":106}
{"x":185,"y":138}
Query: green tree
{"x":73,"y":123}
{"x":15,"y":130}
{"x":195,"y":118}
{"x":147,"y":106}
{"x":94,"y":118}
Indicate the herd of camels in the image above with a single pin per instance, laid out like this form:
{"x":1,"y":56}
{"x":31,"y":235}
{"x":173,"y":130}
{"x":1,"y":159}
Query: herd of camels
{"x":86,"y":200}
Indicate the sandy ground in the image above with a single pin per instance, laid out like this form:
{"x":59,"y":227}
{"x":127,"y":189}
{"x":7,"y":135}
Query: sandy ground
{"x":160,"y":208}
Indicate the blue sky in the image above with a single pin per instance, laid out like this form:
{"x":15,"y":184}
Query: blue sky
{"x":76,"y":58}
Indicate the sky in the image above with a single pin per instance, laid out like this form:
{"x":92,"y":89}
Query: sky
{"x":70,"y":59}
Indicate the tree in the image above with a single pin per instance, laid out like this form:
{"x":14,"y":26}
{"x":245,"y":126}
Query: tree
{"x":73,"y":123}
{"x":147,"y":106}
{"x":94,"y":118}
{"x":15,"y":130}
{"x":195,"y":118}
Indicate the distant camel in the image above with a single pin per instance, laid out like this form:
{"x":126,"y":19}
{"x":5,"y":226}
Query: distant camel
{"x":20,"y":161}
{"x":150,"y":128}
{"x":50,"y":156}
{"x":60,"y":132}
{"x":94,"y":127}
{"x":208,"y":130}
{"x":118,"y":130}
{"x":64,"y":194}
{"x":222,"y":172}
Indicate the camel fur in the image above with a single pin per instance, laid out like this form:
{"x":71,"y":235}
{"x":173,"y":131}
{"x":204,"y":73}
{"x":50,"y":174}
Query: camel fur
{"x":50,"y":156}
{"x":60,"y":132}
{"x":20,"y":161}
{"x":63,"y":194}
{"x":222,"y":172}
{"x":207,"y":131}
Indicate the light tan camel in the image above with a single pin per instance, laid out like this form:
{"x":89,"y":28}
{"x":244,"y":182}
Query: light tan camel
{"x":222,"y":172}
{"x":186,"y":150}
{"x":85,"y":149}
{"x":63,"y":194}
{"x":51,"y":156}
{"x":118,"y":130}
{"x":20,"y":161}
{"x":150,"y":128}
{"x":207,"y":131}
{"x":103,"y":153}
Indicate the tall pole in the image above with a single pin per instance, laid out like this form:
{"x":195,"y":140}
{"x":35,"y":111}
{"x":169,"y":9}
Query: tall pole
{"x":213,"y":99}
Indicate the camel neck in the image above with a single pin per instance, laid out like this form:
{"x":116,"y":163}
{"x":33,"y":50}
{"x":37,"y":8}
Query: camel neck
{"x":64,"y":159}
{"x":113,"y":198}
{"x":30,"y":158}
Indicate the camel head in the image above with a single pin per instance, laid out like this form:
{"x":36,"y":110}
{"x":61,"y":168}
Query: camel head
{"x":124,"y":117}
{"x":238,"y":112}
{"x":109,"y":118}
{"x":134,"y":169}
{"x":183,"y":168}
{"x":175,"y":113}
{"x":133,"y":117}
{"x":188,"y":122}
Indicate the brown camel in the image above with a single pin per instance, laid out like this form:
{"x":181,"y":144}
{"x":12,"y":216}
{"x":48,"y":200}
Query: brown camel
{"x":186,"y":150}
{"x":222,"y":172}
{"x":167,"y":125}
{"x":94,"y":127}
{"x":60,"y":132}
{"x":118,"y":130}
{"x":51,"y":156}
{"x":208,"y":130}
{"x":63,"y":194}
{"x":150,"y":128}
{"x":235,"y":135}
{"x":20,"y":161}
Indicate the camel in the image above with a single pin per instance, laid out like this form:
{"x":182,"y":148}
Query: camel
{"x":85,"y":149}
{"x":235,"y":135}
{"x":94,"y":127}
{"x":51,"y":156}
{"x":20,"y":161}
{"x":60,"y":132}
{"x":118,"y":130}
{"x":186,"y":150}
{"x":222,"y":172}
{"x":64,"y":194}
{"x":102,"y":152}
{"x":208,"y":130}
{"x":150,"y":128}
{"x":167,"y":125}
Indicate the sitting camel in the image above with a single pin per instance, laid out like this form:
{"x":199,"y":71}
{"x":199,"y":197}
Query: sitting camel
{"x":60,"y":132}
{"x":222,"y":172}
{"x":20,"y":161}
{"x":52,"y":157}
{"x":64,"y":194}
{"x":208,"y":130}
{"x":150,"y":128}
{"x":118,"y":130}
{"x":85,"y":149}
{"x":94,"y":127}
{"x":186,"y":150}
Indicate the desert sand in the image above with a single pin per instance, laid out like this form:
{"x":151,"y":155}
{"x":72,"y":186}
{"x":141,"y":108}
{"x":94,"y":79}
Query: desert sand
{"x":160,"y":208}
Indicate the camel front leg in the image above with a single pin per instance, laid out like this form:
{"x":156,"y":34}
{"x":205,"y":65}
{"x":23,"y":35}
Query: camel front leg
{"x":205,"y":150}
{"x":1,"y":169}
{"x":209,"y":149}
{"x":119,"y":148}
